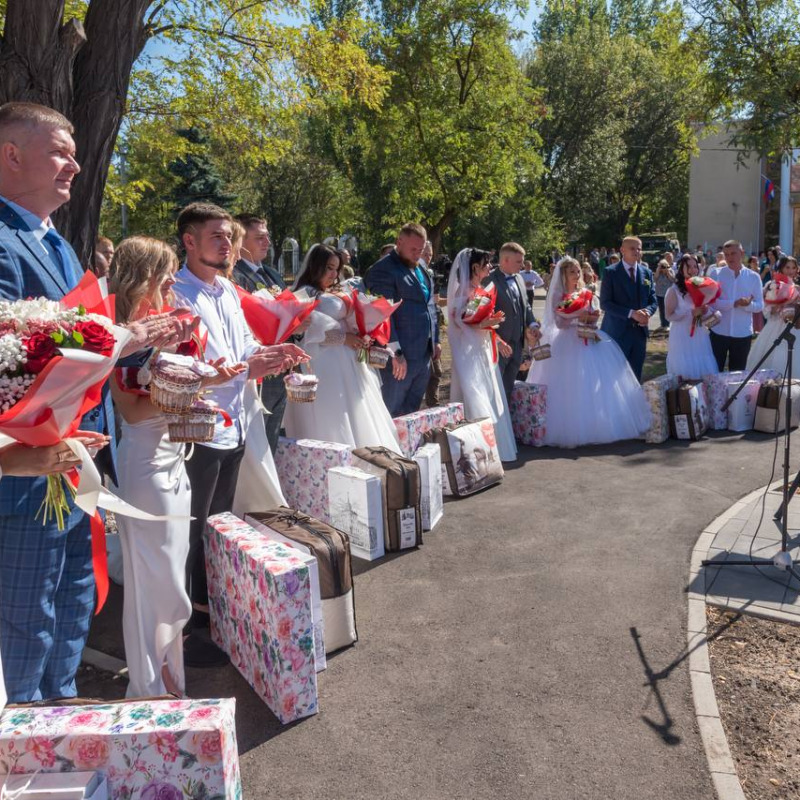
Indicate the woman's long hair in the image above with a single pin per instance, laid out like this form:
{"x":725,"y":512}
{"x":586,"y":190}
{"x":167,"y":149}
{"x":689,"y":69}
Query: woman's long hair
{"x":680,"y":278}
{"x":139,"y":267}
{"x":314,"y":266}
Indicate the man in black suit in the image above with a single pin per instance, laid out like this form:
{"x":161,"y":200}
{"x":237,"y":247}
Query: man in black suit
{"x":519,"y":324}
{"x":251,"y":274}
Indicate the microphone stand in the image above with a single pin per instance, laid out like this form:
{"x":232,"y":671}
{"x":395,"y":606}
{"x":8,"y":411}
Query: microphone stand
{"x":782,"y":559}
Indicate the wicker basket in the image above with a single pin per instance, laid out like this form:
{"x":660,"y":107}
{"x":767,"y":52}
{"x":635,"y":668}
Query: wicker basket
{"x":588,"y":332}
{"x":300,"y":392}
{"x":787,"y":314}
{"x":196,"y":426}
{"x":171,"y":394}
{"x":711,"y":320}
{"x":378,"y":357}
{"x":540,"y":352}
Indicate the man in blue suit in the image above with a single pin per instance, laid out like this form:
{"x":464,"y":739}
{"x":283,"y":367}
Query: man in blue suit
{"x":628,"y":300}
{"x":415,"y":329}
{"x":46,"y":578}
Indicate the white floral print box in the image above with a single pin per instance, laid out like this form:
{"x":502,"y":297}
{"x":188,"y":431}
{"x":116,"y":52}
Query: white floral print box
{"x":146,"y":749}
{"x":260,"y":597}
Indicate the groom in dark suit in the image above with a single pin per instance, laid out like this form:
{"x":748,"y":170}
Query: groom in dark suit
{"x":251,"y":274}
{"x":415,"y":329}
{"x":628,"y":300}
{"x":519,"y":325}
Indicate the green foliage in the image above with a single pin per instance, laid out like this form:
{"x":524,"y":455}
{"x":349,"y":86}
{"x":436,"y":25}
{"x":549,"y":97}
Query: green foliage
{"x":755,"y":69}
{"x":625,"y":93}
{"x":198,"y":179}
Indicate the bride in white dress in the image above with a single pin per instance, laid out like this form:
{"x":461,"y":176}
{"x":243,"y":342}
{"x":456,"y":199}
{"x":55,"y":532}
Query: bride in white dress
{"x":689,"y":356}
{"x":593,"y":396}
{"x":784,"y":273}
{"x":476,"y":380}
{"x":349,"y":407}
{"x":152,"y":477}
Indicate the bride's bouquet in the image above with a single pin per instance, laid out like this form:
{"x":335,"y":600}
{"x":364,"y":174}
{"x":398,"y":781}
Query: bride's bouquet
{"x":480,"y":306}
{"x":54,"y":360}
{"x":702,"y":292}
{"x":372,"y":314}
{"x":781,"y":291}
{"x":573,"y":306}
{"x":273,"y":318}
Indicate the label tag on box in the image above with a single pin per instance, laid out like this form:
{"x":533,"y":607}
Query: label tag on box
{"x":407,"y":526}
{"x":682,"y":426}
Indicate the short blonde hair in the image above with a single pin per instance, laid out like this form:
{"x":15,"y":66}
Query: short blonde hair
{"x":631,"y":239}
{"x":140,"y":264}
{"x":31,"y":116}
{"x":512,"y":247}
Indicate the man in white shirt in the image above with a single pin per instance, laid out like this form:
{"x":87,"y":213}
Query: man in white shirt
{"x":205,"y":232}
{"x":533,"y":280}
{"x":741,"y":297}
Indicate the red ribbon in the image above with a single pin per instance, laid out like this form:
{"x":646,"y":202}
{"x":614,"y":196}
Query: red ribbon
{"x":99,"y":555}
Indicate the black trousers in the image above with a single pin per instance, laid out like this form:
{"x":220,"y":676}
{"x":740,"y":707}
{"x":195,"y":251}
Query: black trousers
{"x":273,"y":398}
{"x":213,"y":474}
{"x":733,"y":348}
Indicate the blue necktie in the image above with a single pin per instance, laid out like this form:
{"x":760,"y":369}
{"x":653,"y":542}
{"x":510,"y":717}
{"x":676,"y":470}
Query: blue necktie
{"x":61,"y":256}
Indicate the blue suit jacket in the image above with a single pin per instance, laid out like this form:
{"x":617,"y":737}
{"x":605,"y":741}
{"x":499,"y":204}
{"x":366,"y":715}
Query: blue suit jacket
{"x":619,"y":295}
{"x":414,"y":324}
{"x":27,"y":271}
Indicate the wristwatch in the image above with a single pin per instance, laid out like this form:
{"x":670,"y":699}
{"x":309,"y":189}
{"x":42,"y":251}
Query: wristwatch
{"x":398,"y":353}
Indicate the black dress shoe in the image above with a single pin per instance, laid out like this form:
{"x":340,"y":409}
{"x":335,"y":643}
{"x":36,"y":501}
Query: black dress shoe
{"x":202,"y":653}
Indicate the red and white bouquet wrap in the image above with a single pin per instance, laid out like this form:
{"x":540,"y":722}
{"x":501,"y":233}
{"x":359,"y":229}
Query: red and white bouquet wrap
{"x":702,"y":292}
{"x":573,"y":306}
{"x":273,"y":318}
{"x":480,"y":307}
{"x":372,"y":314}
{"x":781,"y":291}
{"x":55,"y":357}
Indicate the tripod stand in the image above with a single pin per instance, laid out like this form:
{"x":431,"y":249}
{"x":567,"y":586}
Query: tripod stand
{"x":782,"y":559}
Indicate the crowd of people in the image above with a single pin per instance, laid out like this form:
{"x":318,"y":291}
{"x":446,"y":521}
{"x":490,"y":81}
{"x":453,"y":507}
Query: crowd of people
{"x":191,"y":304}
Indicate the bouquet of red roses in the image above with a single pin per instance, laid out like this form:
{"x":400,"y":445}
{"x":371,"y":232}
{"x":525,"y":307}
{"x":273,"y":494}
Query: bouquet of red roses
{"x":372,"y":314}
{"x":54,"y":359}
{"x":575,"y":302}
{"x":273,"y":318}
{"x":702,"y":292}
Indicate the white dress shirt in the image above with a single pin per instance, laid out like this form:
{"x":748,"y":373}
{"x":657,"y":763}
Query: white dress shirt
{"x":737,"y":321}
{"x":218,"y":306}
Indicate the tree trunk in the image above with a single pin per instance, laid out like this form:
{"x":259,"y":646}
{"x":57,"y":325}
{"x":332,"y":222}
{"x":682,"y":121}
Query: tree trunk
{"x":83,"y":72}
{"x":437,"y":230}
{"x":37,"y":54}
{"x":115,"y":37}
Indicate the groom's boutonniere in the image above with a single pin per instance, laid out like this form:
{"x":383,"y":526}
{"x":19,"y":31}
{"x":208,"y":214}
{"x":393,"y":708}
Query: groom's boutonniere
{"x":646,"y":283}
{"x":260,"y":286}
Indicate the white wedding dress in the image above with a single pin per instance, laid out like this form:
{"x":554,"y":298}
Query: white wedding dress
{"x":475,"y":379}
{"x":689,"y":356}
{"x":769,"y":333}
{"x":593,"y":396}
{"x":349,"y":407}
{"x":156,"y":607}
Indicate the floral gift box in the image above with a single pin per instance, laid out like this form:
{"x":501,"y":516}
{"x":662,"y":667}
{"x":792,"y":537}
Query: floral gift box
{"x":146,"y":749}
{"x":717,"y":392}
{"x":303,"y":466}
{"x":260,"y":596}
{"x":412,"y":427}
{"x":655,"y":391}
{"x":529,"y":412}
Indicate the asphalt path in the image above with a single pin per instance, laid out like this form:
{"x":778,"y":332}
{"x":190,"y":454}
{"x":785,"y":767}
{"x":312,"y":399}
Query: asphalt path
{"x":533,"y":647}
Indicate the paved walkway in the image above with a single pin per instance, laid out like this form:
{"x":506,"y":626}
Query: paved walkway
{"x":534,"y":647}
{"x":752,"y":533}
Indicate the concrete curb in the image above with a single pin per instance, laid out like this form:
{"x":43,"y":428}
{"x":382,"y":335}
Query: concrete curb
{"x":720,"y":761}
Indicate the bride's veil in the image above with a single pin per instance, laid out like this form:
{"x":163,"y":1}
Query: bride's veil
{"x":303,"y":268}
{"x":555,"y":294}
{"x":458,"y":285}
